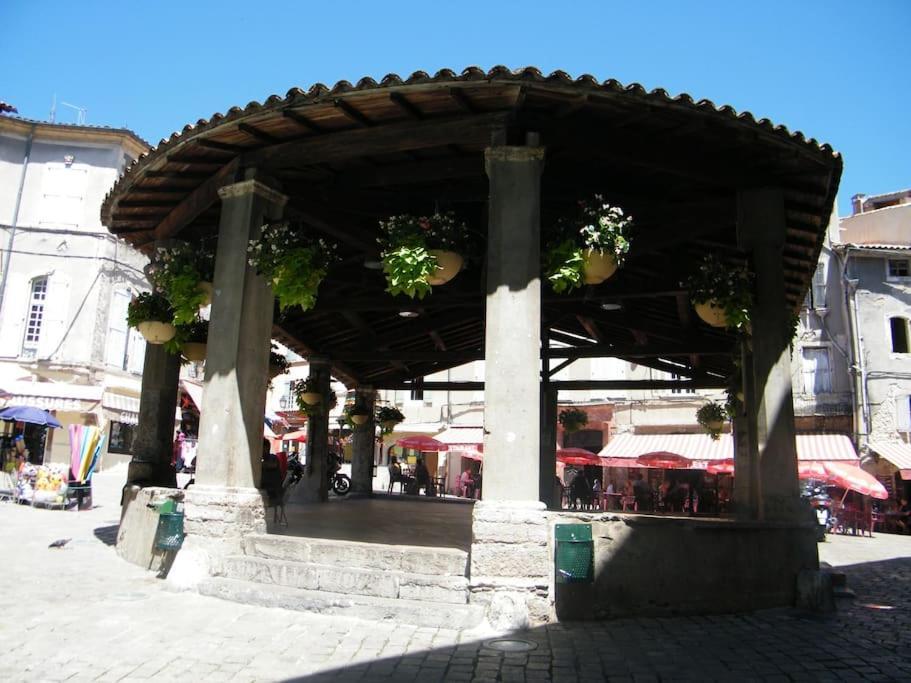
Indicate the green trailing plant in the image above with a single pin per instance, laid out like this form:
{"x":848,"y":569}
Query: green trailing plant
{"x":177,"y":271}
{"x":149,"y":306}
{"x":572,"y":419}
{"x":299,"y":387}
{"x":596,"y":226}
{"x":294,"y":262}
{"x":278,"y":363}
{"x":729,"y":287}
{"x":709,"y":416}
{"x":387,"y":417}
{"x":352,"y":409}
{"x":195,"y":332}
{"x":405,"y":244}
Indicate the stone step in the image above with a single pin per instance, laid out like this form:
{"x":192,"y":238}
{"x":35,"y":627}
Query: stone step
{"x":333,"y":578}
{"x":410,"y":559}
{"x":414,"y":612}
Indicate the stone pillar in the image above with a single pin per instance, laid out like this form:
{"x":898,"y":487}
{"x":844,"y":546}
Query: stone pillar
{"x":548,"y":460}
{"x":510,"y":564}
{"x":313,"y":488}
{"x":364,"y":445}
{"x":762,"y":231}
{"x":153,"y":446}
{"x":747,"y":498}
{"x":225,"y":504}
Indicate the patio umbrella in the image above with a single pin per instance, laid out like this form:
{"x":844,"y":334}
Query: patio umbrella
{"x":811,"y":469}
{"x":421,"y":443}
{"x":850,"y":476}
{"x":472,"y":454}
{"x":663,"y":460}
{"x":299,"y":435}
{"x":35,"y":416}
{"x":577,"y":456}
{"x":725,"y":466}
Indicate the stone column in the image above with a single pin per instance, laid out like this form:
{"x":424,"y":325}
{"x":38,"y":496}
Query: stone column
{"x":364,"y":445}
{"x":762,"y":231}
{"x":548,"y":460}
{"x":154,"y":442}
{"x":225,"y":503}
{"x":313,"y":488}
{"x":747,"y":499}
{"x":510,"y":565}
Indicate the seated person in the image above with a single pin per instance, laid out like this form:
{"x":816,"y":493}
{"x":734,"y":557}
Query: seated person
{"x":422,"y":478}
{"x":271,"y":481}
{"x":395,"y":472}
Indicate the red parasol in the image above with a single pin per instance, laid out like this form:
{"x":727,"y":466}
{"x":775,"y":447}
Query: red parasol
{"x":810,"y":469}
{"x":850,"y":476}
{"x":664,"y":460}
{"x":299,"y":435}
{"x":422,"y":443}
{"x":725,"y":466}
{"x":472,"y":454}
{"x":577,"y":456}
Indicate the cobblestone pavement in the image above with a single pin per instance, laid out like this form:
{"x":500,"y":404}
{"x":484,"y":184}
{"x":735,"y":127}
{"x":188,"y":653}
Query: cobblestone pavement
{"x":80,"y":613}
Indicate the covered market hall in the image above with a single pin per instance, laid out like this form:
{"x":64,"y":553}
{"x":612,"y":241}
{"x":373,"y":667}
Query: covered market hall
{"x":508,"y":153}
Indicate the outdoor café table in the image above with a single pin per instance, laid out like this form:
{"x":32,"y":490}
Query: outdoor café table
{"x":611,"y":501}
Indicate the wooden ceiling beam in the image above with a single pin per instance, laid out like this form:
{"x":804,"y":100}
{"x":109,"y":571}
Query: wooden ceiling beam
{"x":303,"y":121}
{"x":219,"y":146}
{"x":258,"y":134}
{"x":460,"y":98}
{"x":178,"y":175}
{"x":406,"y":106}
{"x":414,"y":172}
{"x":353,"y":113}
{"x":707,"y":382}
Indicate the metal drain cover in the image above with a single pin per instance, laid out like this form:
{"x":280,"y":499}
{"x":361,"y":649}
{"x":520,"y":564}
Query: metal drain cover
{"x":511,"y":645}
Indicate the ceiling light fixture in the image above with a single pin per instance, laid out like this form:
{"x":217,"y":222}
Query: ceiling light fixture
{"x":408,"y":313}
{"x":611,"y":306}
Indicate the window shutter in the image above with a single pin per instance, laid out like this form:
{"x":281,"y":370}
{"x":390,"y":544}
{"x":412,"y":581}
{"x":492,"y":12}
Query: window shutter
{"x":56,"y":315}
{"x":118,"y":333}
{"x":136,"y":352}
{"x":12,"y":321}
{"x":903,"y":413}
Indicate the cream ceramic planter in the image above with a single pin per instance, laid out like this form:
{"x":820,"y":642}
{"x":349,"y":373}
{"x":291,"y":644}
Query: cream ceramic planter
{"x":311,"y":398}
{"x":598,"y":266}
{"x":713,"y":314}
{"x":208,"y":290}
{"x":388,"y":425}
{"x":715,"y":425}
{"x":156,"y":332}
{"x":358,"y":418}
{"x":194,"y":351}
{"x":449,"y":263}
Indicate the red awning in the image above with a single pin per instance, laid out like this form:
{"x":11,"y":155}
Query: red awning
{"x":421,"y":443}
{"x":300,"y":436}
{"x":899,"y":454}
{"x":669,"y":461}
{"x":577,"y":456}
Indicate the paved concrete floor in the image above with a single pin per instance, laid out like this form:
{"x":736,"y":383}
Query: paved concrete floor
{"x":82,"y":614}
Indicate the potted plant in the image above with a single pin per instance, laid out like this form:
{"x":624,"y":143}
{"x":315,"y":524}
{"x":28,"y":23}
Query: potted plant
{"x":294,"y":262}
{"x":419,"y":252}
{"x":588,"y":247}
{"x":721,"y":294}
{"x":356,"y":414}
{"x":572,"y":419}
{"x":183,"y":273}
{"x":192,"y":340}
{"x":712,"y":417}
{"x":152,"y":315}
{"x":388,"y":417}
{"x":278,"y":363}
{"x":307,"y":392}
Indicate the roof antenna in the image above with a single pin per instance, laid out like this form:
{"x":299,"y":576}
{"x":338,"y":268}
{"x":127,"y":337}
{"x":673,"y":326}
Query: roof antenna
{"x":80,"y":112}
{"x":54,"y":109}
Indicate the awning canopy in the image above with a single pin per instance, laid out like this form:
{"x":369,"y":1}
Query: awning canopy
{"x":899,"y":454}
{"x":120,"y":408}
{"x":459,"y":437}
{"x":77,"y":398}
{"x":625,"y":448}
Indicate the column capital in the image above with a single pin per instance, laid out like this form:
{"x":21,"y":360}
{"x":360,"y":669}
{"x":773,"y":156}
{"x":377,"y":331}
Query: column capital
{"x":514,"y":154}
{"x":255,"y":187}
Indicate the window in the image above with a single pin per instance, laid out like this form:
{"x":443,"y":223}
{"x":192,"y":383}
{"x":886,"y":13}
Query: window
{"x":899,"y":329}
{"x":899,"y":267}
{"x":903,"y":413}
{"x":817,"y":378}
{"x":121,"y":438}
{"x":35,"y":316}
{"x":819,"y":287}
{"x":118,"y":332}
{"x":679,"y":390}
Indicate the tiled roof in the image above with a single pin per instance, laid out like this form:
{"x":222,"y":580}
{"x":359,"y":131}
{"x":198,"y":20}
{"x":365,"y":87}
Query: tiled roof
{"x":529,"y":75}
{"x":79,"y":127}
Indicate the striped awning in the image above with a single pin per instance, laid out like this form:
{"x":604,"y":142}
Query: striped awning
{"x":61,"y":396}
{"x":459,"y":437}
{"x":899,"y":454}
{"x":702,"y":450}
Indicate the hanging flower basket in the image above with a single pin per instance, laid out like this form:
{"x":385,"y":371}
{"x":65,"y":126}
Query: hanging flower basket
{"x":449,"y":263}
{"x":194,"y":351}
{"x":151,"y":314}
{"x":712,"y":417}
{"x":588,"y":247}
{"x":572,"y":419}
{"x":292,"y":261}
{"x":388,"y":417}
{"x":180,"y":272}
{"x":278,"y":364}
{"x":419,"y":252}
{"x":721,"y":294}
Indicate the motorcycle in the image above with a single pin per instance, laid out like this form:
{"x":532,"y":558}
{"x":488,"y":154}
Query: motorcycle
{"x":821,"y":503}
{"x":338,"y":482}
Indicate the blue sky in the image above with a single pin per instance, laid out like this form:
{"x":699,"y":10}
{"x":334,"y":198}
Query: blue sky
{"x":836,"y":70}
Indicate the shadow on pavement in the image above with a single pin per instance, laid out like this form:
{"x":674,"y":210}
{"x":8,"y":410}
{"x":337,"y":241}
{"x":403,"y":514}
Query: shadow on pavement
{"x":868,"y":638}
{"x":107,"y":534}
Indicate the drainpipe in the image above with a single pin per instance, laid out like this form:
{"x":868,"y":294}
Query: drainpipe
{"x":859,"y":366}
{"x":12,"y":233}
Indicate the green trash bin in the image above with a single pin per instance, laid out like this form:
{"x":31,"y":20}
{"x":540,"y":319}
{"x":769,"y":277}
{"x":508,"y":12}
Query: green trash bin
{"x":574,"y":558}
{"x":169,"y":535}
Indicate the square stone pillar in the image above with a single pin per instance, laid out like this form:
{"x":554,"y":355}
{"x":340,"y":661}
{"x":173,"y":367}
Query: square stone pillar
{"x":364,"y":445}
{"x":225,"y":504}
{"x":314,"y":487}
{"x":768,"y":397}
{"x":548,"y":461}
{"x":747,"y":498}
{"x":510,"y":564}
{"x":153,"y":446}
